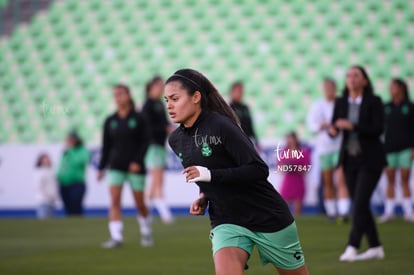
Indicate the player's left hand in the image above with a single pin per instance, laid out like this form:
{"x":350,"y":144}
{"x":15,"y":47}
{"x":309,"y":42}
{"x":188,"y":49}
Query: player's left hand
{"x":198,"y":207}
{"x":197,"y":173}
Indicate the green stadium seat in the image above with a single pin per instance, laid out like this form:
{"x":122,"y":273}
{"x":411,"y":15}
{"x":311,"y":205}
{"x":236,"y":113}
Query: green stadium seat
{"x":94,"y":5}
{"x":78,"y":49}
{"x":3,"y":3}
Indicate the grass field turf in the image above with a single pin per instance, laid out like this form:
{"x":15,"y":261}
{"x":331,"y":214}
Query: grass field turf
{"x":72,"y":246}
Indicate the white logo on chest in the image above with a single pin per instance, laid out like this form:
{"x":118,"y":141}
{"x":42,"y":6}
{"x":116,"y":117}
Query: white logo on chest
{"x":199,"y":140}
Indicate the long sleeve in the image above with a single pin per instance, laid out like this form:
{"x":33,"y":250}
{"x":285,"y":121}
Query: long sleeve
{"x":81,"y":158}
{"x":146,"y":108}
{"x":375,"y":127}
{"x":238,"y":175}
{"x":106,"y":147}
{"x":48,"y":187}
{"x":143,"y":139}
{"x":250,"y":124}
{"x":313,"y":120}
{"x":157,"y":120}
{"x":248,"y":165}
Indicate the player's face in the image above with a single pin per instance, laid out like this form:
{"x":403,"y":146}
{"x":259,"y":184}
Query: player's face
{"x":121,"y":97}
{"x":181,"y":106}
{"x":157,"y":89}
{"x":291,"y":141}
{"x":237,"y":93}
{"x":395,"y":90}
{"x":46,"y":161}
{"x":329,"y":90}
{"x":355,"y":80}
{"x":70,"y":142}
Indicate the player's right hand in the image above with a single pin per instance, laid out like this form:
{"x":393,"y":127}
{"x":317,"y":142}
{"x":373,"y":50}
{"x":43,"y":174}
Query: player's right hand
{"x":198,"y":207}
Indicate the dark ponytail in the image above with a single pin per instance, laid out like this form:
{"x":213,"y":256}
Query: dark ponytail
{"x":402,"y":85}
{"x":128,"y":91}
{"x":148,"y":89}
{"x":211,"y":100}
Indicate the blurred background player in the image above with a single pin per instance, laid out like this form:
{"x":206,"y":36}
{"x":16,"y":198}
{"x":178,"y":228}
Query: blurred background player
{"x":293,"y":184}
{"x":399,"y":146}
{"x":359,"y":115}
{"x":242,"y":111}
{"x":335,"y":197}
{"x":46,"y":187}
{"x":71,"y":174}
{"x":154,"y":111}
{"x":125,"y":143}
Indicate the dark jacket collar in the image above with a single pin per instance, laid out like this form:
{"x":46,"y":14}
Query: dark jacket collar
{"x":200,"y":118}
{"x":131,"y":111}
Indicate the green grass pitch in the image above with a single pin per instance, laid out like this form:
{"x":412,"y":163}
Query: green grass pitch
{"x":72,"y":246}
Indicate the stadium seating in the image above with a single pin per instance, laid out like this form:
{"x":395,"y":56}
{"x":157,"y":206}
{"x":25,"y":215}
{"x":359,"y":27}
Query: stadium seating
{"x":56,"y":72}
{"x":3,"y":3}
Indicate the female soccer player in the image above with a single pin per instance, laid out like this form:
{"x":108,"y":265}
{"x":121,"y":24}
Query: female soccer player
{"x":335,"y":196}
{"x":359,"y":114}
{"x":125,"y":142}
{"x":155,"y":159}
{"x":245,"y":210}
{"x":399,"y":145}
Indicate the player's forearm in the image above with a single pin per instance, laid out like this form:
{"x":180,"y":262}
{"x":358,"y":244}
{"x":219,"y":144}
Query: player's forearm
{"x":243,"y":174}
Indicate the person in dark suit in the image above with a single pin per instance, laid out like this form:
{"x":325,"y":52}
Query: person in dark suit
{"x":359,"y":114}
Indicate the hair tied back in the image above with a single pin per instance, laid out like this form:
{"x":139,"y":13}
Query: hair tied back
{"x":189,"y":80}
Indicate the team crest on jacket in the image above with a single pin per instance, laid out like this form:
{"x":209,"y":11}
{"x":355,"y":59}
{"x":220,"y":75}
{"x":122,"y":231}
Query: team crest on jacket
{"x":113,"y":124}
{"x":405,"y":110}
{"x":206,"y":150}
{"x":132,"y":123}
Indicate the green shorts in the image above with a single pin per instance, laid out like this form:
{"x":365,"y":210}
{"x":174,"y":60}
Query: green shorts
{"x":400,"y":159}
{"x":156,"y":156}
{"x":117,"y":178}
{"x":329,"y":160}
{"x":281,"y":248}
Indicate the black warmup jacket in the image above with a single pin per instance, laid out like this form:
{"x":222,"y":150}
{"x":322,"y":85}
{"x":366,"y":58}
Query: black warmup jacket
{"x":243,"y":113}
{"x":125,"y":140}
{"x":156,"y":116}
{"x":369,"y":128}
{"x":239,"y":192}
{"x":399,"y":126}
